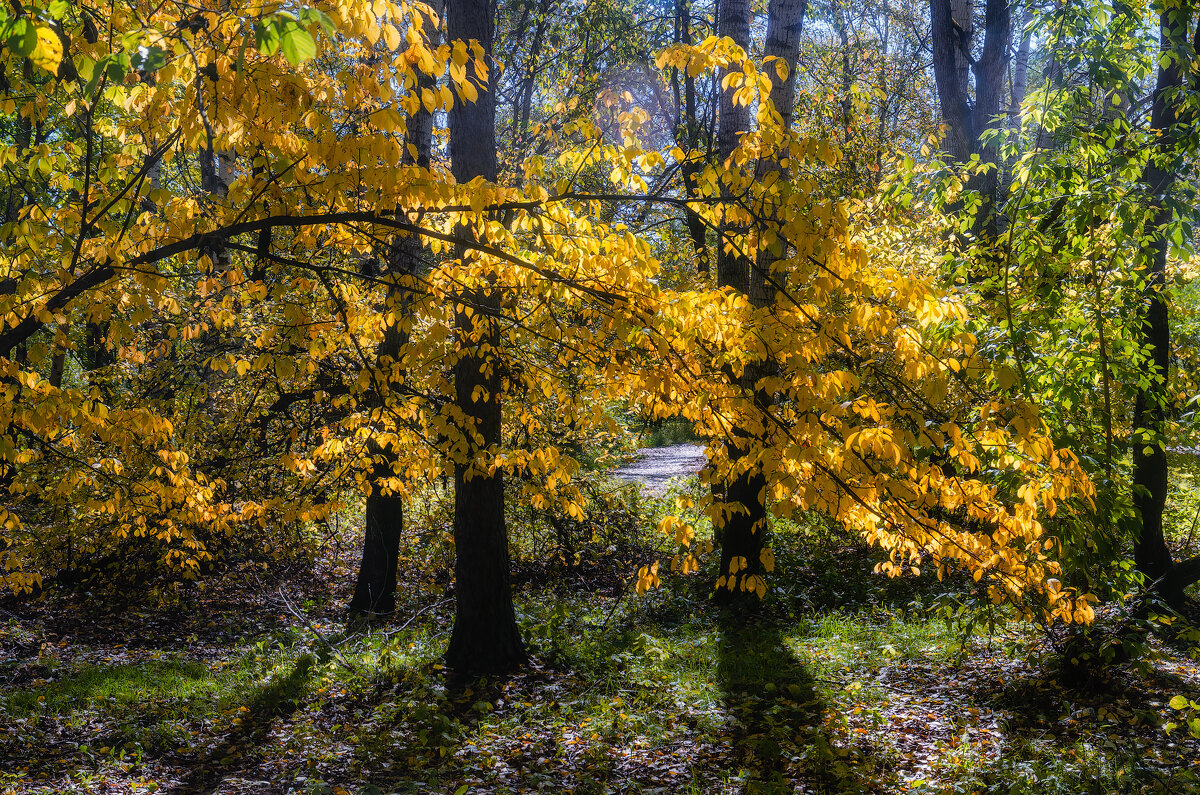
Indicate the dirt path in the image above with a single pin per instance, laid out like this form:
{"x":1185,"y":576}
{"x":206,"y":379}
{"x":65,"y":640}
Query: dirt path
{"x":657,"y":465}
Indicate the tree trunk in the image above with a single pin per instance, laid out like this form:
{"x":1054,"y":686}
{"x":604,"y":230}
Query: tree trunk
{"x":1020,"y":73}
{"x":58,"y":361}
{"x":732,"y":268}
{"x":841,"y":23}
{"x":990,"y":70}
{"x":744,"y":529}
{"x":1150,"y":469}
{"x":687,"y":134}
{"x":375,"y":589}
{"x":951,"y":28}
{"x":952,"y":34}
{"x":485,"y":638}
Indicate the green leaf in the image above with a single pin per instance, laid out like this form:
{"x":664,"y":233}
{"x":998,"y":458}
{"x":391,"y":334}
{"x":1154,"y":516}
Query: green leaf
{"x":114,"y":66}
{"x":22,"y":37}
{"x":118,"y":67}
{"x":148,"y":59}
{"x":266,"y":37}
{"x":1179,"y":702}
{"x":297,"y":45}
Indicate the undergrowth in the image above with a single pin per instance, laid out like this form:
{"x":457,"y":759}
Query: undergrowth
{"x":840,"y":681}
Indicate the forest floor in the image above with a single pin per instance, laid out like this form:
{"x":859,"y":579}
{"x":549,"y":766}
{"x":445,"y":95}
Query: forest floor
{"x":842,"y":681}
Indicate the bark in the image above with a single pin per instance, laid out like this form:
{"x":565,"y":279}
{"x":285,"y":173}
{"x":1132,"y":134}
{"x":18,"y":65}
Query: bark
{"x":523,"y":105}
{"x":967,"y":117}
{"x":785,"y":23}
{"x":1150,"y":468}
{"x":1020,"y":71}
{"x":841,"y":22}
{"x":990,"y":72}
{"x":951,"y":28}
{"x":688,"y":136}
{"x":58,"y":361}
{"x":485,"y":638}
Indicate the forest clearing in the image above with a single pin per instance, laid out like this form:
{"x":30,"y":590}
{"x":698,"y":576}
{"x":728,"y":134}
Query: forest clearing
{"x":599,"y":396}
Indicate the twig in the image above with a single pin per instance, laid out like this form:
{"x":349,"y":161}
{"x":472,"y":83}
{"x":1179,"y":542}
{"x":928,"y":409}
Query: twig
{"x":291,"y":608}
{"x":414,"y":617}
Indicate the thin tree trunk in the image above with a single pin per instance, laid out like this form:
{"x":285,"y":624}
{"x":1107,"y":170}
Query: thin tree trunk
{"x":842,"y":24}
{"x":485,"y":638}
{"x":688,"y":130}
{"x":732,"y":268}
{"x":1020,"y":72}
{"x":58,"y":361}
{"x":990,"y":71}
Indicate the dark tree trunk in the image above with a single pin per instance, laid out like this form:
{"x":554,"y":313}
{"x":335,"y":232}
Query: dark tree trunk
{"x":966,"y":119}
{"x":951,"y":29}
{"x":841,"y":22}
{"x":1150,"y":469}
{"x":1020,"y":72}
{"x":485,"y":638}
{"x":58,"y":362}
{"x":375,"y":589}
{"x":687,"y":134}
{"x":733,"y":270}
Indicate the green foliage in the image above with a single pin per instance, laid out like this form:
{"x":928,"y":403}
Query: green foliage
{"x":661,"y":433}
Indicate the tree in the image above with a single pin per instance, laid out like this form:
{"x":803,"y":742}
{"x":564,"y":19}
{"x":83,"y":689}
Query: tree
{"x":1173,"y":114}
{"x":954,"y":64}
{"x":841,"y":382}
{"x":485,"y":638}
{"x":383,"y":523}
{"x":740,"y":513}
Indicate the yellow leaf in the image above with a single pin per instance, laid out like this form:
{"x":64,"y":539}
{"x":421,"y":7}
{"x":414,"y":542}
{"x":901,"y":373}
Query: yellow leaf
{"x":768,"y":559}
{"x":429,"y":100}
{"x":391,"y":36}
{"x":48,"y":53}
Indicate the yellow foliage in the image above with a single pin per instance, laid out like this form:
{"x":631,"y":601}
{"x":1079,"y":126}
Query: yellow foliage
{"x":880,"y":413}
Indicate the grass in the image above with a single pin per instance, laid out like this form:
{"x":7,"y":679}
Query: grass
{"x":841,"y":682}
{"x":662,"y":433}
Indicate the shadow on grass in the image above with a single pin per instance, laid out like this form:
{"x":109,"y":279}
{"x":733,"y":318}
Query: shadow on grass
{"x":278,"y":698}
{"x":777,"y":715}
{"x":1092,"y":740}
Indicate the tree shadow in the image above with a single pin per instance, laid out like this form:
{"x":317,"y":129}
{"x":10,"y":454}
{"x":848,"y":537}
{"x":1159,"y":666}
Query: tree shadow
{"x":1117,"y":718}
{"x":277,"y":699}
{"x":776,"y":714}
